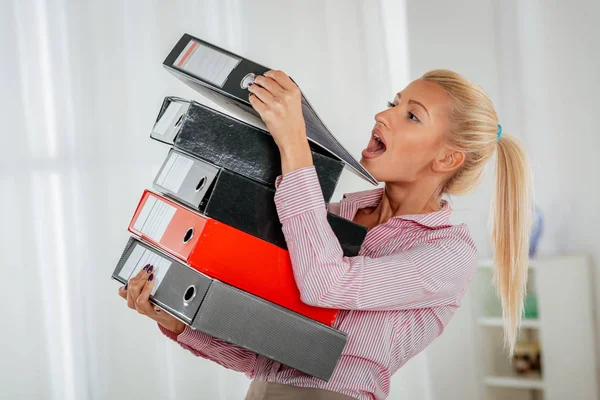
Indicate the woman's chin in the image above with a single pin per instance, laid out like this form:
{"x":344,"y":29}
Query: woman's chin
{"x":369,"y":165}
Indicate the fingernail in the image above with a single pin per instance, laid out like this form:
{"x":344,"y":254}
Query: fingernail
{"x":146,"y":267}
{"x":150,"y":277}
{"x":150,"y":268}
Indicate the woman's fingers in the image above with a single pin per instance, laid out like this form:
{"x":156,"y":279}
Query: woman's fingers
{"x":138,"y":291}
{"x":278,"y":101}
{"x":263,"y":94}
{"x":142,"y":302}
{"x":282,"y":79}
{"x":136,"y":284}
{"x":269,"y":84}
{"x":258,"y":105}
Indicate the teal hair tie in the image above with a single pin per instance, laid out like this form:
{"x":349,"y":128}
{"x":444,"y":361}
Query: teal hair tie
{"x":499,"y":133}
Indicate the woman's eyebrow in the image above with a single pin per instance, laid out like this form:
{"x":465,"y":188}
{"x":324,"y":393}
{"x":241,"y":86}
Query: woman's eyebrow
{"x":399,"y":96}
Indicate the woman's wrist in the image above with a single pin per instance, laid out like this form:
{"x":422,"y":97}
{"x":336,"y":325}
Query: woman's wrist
{"x":176,"y":328}
{"x":295,"y":155}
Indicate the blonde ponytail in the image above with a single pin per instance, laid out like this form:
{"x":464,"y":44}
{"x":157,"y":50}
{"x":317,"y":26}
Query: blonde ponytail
{"x":510,"y":215}
{"x":474,"y":131}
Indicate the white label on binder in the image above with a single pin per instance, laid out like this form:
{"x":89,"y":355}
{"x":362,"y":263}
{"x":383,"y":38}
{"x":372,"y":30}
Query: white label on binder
{"x":174,"y":172}
{"x":160,"y":270}
{"x":154,"y":218}
{"x":131,"y":263}
{"x":206,"y":63}
{"x":139,"y":258}
{"x":167,"y":118}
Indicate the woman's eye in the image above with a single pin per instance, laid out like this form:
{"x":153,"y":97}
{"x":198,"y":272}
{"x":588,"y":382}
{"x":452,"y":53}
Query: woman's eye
{"x":413,"y":117}
{"x":390,"y":105}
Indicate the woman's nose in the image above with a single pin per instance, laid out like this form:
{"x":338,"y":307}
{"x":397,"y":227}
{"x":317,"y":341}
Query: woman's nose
{"x":381,"y":117}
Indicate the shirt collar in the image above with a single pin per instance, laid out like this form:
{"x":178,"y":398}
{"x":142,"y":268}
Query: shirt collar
{"x":352,"y":202}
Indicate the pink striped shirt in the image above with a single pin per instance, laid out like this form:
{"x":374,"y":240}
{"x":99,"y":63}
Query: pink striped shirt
{"x":396,"y":296}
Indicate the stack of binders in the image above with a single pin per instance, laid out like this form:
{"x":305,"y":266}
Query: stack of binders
{"x":210,"y":227}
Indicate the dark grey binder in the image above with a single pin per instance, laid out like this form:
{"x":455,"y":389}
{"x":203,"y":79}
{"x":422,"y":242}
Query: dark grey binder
{"x":237,"y":201}
{"x":223,"y":77}
{"x":232,"y":144}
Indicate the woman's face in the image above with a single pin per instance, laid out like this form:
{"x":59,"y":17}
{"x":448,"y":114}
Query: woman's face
{"x":408,"y":136}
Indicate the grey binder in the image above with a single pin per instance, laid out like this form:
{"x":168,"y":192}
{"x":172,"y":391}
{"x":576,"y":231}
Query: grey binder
{"x":232,"y":315}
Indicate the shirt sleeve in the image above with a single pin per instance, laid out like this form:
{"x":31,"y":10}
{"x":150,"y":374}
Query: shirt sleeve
{"x":223,"y":353}
{"x":433,"y":273}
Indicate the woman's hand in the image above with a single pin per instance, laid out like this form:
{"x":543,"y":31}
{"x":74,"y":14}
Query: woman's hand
{"x":278,"y":101}
{"x":137,"y":292}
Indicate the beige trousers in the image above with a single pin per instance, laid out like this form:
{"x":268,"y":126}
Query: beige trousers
{"x":275,"y":391}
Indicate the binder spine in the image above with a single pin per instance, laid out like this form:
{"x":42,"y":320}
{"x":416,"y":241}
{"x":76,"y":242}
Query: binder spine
{"x":179,"y":60}
{"x":167,"y":224}
{"x":115,"y":275}
{"x":186,"y":179}
{"x":179,"y":289}
{"x":170,"y":117}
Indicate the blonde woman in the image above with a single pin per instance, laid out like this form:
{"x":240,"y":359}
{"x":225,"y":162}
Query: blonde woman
{"x":434,"y":139}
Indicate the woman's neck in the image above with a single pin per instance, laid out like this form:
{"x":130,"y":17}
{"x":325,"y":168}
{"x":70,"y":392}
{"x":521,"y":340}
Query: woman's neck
{"x":405,"y":199}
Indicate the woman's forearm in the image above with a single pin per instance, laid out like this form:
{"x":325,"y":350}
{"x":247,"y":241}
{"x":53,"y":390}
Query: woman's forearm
{"x":295,"y":155}
{"x":225,"y":354}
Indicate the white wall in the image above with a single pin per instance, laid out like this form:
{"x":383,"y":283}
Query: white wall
{"x":82,"y":83}
{"x":539,"y":62}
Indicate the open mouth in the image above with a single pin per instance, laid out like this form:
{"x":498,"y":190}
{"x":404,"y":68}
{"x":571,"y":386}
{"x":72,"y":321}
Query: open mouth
{"x":376,"y":146}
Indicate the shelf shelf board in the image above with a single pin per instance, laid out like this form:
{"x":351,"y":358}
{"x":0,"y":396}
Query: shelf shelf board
{"x":515,"y":382}
{"x":497,"y":322}
{"x":540,"y":261}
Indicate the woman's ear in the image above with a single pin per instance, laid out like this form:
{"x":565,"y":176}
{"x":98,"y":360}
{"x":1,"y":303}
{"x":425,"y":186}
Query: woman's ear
{"x":449,"y":161}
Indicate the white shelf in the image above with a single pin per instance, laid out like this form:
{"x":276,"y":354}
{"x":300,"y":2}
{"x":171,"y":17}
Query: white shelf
{"x":516,"y":382}
{"x":541,"y":260}
{"x":497,"y":322}
{"x":569,"y":370}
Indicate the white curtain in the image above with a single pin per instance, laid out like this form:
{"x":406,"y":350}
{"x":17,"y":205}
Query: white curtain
{"x":82,"y":82}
